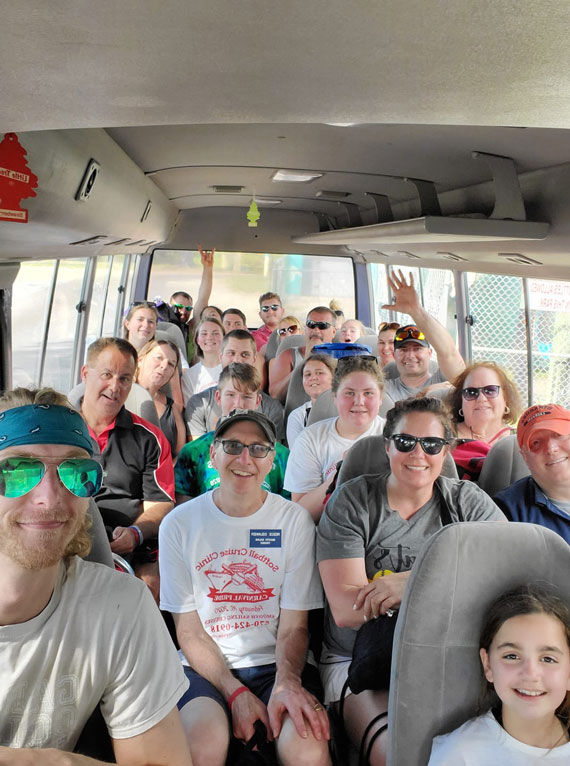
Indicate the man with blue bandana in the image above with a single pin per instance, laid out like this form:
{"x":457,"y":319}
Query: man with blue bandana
{"x":73,"y":635}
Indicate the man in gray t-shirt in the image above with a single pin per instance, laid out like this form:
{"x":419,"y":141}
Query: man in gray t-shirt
{"x":412,"y":350}
{"x":358,"y":523}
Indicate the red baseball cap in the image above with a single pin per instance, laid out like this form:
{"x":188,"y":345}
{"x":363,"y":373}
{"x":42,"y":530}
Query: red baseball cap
{"x":552,"y":417}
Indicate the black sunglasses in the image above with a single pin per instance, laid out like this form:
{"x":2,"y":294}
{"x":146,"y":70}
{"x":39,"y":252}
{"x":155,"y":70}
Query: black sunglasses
{"x":143,"y":304}
{"x":431,"y":445}
{"x":273,"y":307}
{"x":349,"y":359}
{"x":182,"y":306}
{"x":233,"y":447}
{"x":472,"y":392}
{"x":287,"y":330}
{"x":311,"y":324}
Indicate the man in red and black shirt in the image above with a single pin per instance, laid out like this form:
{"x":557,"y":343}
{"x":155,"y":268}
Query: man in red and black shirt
{"x":138,"y":483}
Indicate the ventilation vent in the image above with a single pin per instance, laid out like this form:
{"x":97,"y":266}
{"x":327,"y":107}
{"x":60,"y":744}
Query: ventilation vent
{"x":519,"y":258}
{"x":409,"y":255}
{"x":221,"y":189}
{"x":451,"y":256}
{"x":332,"y":194}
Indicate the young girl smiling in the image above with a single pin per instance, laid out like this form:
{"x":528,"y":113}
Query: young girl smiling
{"x":525,"y":654}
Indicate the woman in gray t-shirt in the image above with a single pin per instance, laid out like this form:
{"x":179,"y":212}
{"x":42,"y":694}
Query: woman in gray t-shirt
{"x":371,"y":533}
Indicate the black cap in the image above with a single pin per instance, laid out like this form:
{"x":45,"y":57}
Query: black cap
{"x":254,"y":416}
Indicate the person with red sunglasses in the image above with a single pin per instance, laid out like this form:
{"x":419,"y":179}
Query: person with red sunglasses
{"x":415,"y":343}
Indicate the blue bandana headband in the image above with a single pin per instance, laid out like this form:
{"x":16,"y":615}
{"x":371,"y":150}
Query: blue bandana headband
{"x":43,"y":424}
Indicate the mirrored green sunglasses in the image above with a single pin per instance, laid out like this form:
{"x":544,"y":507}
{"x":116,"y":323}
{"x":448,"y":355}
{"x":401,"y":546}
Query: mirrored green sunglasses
{"x":19,"y":475}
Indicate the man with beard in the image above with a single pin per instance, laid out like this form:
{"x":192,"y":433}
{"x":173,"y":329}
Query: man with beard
{"x":73,"y":635}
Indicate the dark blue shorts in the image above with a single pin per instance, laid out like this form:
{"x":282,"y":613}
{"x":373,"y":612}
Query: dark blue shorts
{"x":258,"y":679}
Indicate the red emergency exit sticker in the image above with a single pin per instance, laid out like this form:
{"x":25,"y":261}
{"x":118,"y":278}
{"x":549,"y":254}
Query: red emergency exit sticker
{"x":17,"y":182}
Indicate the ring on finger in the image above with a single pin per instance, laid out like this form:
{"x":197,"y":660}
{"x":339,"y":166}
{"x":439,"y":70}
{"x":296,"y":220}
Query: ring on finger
{"x":317,"y":708}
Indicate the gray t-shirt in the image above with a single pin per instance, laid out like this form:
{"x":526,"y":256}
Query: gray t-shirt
{"x":397,"y":390}
{"x":358,"y":523}
{"x":202,"y":413}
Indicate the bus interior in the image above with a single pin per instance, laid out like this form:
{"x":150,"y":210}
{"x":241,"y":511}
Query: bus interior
{"x":426,"y":136}
{"x":416,"y":136}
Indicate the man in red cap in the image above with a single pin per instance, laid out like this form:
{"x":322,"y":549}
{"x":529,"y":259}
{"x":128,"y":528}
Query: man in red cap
{"x":543,"y":435}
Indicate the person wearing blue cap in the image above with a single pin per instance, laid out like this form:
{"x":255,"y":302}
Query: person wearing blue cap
{"x":74,"y":635}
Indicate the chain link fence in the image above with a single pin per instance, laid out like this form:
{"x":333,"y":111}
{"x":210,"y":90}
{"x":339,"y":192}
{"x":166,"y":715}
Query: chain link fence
{"x":499,"y":307}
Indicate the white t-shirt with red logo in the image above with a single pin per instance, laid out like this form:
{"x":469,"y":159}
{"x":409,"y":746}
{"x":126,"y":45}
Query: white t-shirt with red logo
{"x":238,"y":572}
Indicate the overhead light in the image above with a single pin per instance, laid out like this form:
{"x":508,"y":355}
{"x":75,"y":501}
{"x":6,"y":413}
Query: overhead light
{"x":341,"y":124}
{"x":268,"y":201}
{"x":226,"y":189}
{"x":295,"y":176}
{"x":332,"y":194}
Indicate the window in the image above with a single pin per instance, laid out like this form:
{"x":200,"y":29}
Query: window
{"x":302,"y":281}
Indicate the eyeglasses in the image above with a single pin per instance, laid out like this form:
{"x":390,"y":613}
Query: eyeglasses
{"x":19,"y":475}
{"x":311,"y":324}
{"x":273,"y":307}
{"x":287,"y":330}
{"x":431,"y":445}
{"x":182,"y":306}
{"x":472,"y":392}
{"x":409,"y":334}
{"x":232,"y":447}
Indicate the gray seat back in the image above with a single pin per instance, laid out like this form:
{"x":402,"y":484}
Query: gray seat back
{"x":296,"y":394}
{"x":324,"y":407}
{"x":138,"y":401}
{"x":173,"y":333}
{"x":100,"y":551}
{"x":368,"y":455}
{"x":272,"y":346}
{"x":503,"y":465}
{"x":435,"y":677}
{"x":291,"y":341}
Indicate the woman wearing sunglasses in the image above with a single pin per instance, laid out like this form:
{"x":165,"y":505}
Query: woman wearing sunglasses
{"x":357,"y":388}
{"x":484,"y":402}
{"x":370,"y":535}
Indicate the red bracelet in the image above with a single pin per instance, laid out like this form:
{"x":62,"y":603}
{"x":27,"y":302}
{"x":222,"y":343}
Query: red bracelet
{"x":235,"y":694}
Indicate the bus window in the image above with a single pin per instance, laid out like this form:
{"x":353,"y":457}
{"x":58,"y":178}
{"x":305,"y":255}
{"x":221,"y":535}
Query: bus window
{"x":436,"y":288}
{"x":302,"y":281}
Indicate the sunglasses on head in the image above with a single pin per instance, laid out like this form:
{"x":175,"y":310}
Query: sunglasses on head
{"x":19,"y":475}
{"x":273,"y":307}
{"x":287,"y":330}
{"x":472,"y":392}
{"x":182,"y":306}
{"x":232,"y":447}
{"x":431,"y":445}
{"x":409,"y":334}
{"x":311,"y":324}
{"x":143,"y":304}
{"x":344,"y":360}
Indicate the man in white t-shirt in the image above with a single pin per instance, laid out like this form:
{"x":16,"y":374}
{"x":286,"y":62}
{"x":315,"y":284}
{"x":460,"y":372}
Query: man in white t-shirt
{"x":238,"y":574}
{"x":74,"y":635}
{"x":412,"y":349}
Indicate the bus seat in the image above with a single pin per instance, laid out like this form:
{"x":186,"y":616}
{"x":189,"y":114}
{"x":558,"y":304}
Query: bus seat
{"x":371,"y":341}
{"x":171,"y":332}
{"x":138,"y":401}
{"x":272,"y":346}
{"x":503,"y":465}
{"x":291,"y":341}
{"x":368,"y":455}
{"x":324,"y":407}
{"x":296,"y":394}
{"x":100,"y":552}
{"x":435,"y":676}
